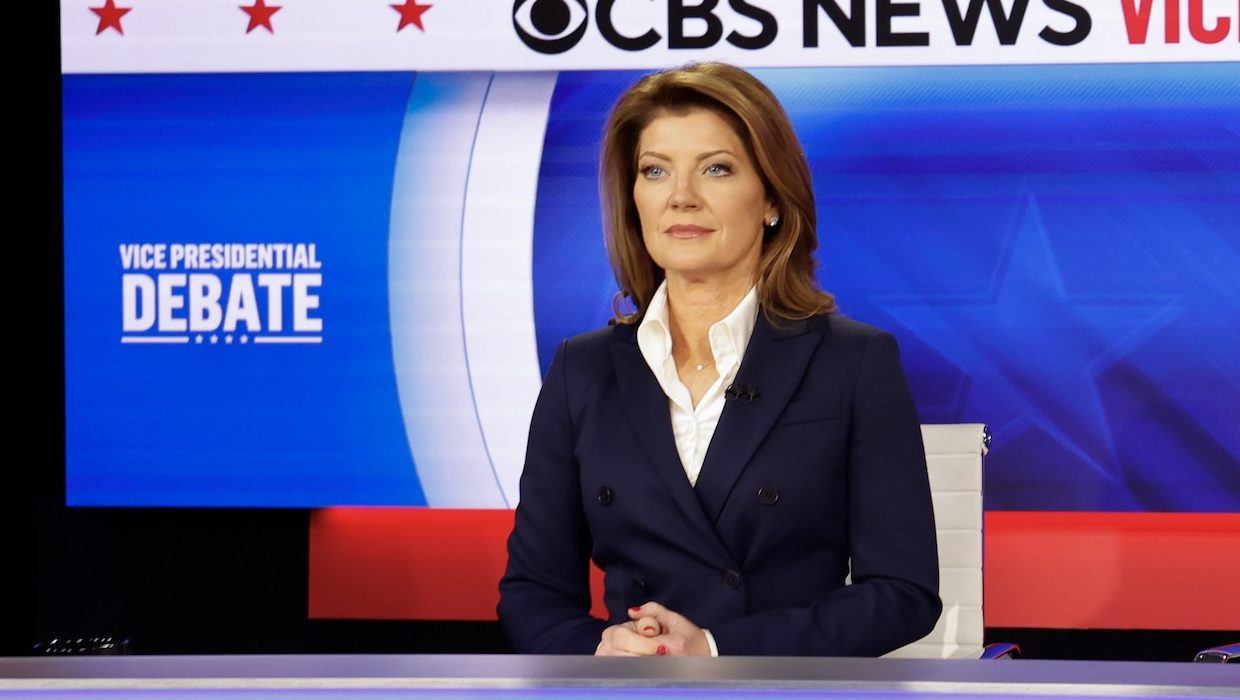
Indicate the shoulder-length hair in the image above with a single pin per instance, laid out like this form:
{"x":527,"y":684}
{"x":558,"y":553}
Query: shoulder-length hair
{"x":787,"y":289}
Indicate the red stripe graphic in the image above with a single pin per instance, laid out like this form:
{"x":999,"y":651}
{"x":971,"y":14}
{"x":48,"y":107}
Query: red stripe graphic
{"x":1047,"y":570}
{"x":1112,"y":570}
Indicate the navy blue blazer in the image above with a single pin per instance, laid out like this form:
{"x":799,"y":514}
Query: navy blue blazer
{"x":822,"y":467}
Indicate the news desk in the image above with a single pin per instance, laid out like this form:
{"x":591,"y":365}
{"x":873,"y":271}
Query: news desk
{"x":378,"y":677}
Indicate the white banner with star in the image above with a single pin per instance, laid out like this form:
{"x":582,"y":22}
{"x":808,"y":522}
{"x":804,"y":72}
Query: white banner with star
{"x":157,"y":36}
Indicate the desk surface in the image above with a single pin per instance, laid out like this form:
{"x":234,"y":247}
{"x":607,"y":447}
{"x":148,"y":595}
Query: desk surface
{"x":563,"y":677}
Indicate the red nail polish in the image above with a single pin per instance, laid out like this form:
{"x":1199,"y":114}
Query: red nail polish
{"x":636,"y":608}
{"x":661,"y":651}
{"x":648,"y":628}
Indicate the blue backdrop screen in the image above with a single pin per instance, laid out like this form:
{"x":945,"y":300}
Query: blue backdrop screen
{"x":1056,"y":248}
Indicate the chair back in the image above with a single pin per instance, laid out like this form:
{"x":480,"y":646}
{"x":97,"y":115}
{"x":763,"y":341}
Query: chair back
{"x":954,"y":457}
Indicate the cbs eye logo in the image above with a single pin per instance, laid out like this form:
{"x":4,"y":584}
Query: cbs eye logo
{"x":550,"y":26}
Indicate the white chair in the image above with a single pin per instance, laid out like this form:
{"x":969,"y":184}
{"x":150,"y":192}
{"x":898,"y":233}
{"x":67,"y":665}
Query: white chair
{"x":954,"y":457}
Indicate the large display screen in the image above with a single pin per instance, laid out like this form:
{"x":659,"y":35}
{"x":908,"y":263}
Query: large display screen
{"x":342,"y":288}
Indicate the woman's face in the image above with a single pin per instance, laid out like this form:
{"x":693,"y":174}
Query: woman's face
{"x":700,"y":198}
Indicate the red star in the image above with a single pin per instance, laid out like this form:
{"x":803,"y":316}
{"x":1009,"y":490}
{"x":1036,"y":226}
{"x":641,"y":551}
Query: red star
{"x":110,"y":16}
{"x":411,"y":13}
{"x":260,"y":15}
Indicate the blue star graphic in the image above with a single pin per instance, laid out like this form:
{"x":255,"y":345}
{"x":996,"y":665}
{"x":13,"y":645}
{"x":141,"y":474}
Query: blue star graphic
{"x":1032,"y":352}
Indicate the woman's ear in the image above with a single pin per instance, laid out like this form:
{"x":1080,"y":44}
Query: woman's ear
{"x":770,"y":217}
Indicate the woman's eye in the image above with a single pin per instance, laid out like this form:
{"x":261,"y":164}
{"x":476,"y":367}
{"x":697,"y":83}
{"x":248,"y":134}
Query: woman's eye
{"x":718,"y":170}
{"x":650,"y":172}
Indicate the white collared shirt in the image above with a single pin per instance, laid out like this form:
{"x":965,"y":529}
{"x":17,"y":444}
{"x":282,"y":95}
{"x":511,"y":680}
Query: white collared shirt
{"x":693,"y":427}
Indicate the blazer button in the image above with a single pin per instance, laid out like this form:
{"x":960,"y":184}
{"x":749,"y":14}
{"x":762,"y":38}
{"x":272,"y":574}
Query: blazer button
{"x":605,"y":496}
{"x":731,"y":579}
{"x":639,"y":587}
{"x":768,"y":495}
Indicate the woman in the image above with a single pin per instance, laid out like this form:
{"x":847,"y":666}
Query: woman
{"x":729,"y":450}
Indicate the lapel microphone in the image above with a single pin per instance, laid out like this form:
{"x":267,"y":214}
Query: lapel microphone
{"x":741,"y":392}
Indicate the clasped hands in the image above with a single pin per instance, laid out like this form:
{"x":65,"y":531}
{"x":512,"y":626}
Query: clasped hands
{"x":653,"y":630}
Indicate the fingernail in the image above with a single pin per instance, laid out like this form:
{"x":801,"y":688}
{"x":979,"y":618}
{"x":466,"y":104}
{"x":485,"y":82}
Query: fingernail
{"x":661,"y":651}
{"x":648,"y":628}
{"x":636,"y":608}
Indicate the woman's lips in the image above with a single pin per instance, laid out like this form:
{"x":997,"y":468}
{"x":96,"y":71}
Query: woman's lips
{"x":687,"y":231}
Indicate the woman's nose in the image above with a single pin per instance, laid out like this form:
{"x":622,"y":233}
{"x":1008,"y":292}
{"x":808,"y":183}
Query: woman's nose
{"x":684,"y":194}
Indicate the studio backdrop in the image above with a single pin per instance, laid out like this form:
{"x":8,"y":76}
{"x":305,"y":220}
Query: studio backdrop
{"x":320,"y":253}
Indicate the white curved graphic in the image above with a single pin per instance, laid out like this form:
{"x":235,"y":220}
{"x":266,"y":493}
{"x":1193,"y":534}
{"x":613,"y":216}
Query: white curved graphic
{"x":497,"y":265}
{"x":460,"y":288}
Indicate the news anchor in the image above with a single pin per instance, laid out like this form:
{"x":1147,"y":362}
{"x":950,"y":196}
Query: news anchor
{"x":729,"y":449}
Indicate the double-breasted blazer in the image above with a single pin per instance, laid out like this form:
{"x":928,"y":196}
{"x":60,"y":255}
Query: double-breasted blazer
{"x":816,"y":470}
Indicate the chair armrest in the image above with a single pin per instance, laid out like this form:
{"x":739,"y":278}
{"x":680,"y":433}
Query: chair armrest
{"x":1226,"y":654}
{"x":1000,"y":650}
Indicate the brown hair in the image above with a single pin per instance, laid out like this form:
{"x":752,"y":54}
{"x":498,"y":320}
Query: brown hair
{"x":786,"y":286}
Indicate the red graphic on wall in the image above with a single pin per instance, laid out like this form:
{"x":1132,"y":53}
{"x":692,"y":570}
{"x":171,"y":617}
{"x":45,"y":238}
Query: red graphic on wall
{"x":110,"y":17}
{"x":411,"y":13}
{"x":260,"y":15}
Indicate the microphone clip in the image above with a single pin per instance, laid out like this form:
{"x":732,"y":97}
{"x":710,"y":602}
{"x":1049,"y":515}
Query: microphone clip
{"x":741,"y":392}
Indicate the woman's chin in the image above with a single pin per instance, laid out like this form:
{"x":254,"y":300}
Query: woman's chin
{"x":709,"y":274}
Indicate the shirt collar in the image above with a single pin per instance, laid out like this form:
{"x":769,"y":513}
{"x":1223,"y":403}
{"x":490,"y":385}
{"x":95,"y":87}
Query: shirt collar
{"x":729,"y":336}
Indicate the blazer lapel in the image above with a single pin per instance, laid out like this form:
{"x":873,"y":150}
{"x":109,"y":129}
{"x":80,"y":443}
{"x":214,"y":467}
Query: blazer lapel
{"x":773,"y":366}
{"x":645,"y":407}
